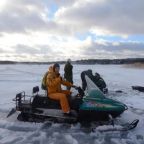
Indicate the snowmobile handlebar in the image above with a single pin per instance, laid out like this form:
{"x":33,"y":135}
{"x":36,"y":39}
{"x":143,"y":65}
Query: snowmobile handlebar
{"x":80,"y":91}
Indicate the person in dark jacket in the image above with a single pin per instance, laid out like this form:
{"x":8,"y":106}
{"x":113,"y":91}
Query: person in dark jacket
{"x":97,"y":79}
{"x":89,"y":74}
{"x":68,"y":72}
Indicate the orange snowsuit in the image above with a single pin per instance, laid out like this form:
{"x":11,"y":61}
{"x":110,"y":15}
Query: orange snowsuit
{"x":55,"y":92}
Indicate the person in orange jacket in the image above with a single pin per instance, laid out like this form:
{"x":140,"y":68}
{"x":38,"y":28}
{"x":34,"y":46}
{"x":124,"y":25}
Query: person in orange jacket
{"x":54,"y":81}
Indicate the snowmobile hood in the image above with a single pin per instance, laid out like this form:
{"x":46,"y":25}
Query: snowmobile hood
{"x":104,"y":104}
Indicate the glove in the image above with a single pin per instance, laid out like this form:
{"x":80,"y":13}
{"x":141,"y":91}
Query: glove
{"x":60,"y":78}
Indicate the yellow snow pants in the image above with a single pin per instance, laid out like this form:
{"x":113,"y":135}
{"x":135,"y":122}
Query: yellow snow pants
{"x":62,"y":97}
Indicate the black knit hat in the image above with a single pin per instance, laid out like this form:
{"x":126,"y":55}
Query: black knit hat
{"x":56,"y":65}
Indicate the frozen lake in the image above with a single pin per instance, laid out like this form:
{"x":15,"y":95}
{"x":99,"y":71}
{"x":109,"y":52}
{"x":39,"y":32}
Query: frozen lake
{"x":20,"y":77}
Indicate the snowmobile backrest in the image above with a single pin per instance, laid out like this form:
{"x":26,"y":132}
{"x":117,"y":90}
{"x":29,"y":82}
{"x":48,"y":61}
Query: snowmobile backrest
{"x":19,"y":96}
{"x":35,"y":89}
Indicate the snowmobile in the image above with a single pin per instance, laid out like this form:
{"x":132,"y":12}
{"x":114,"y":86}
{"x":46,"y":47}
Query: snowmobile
{"x":88,"y":106}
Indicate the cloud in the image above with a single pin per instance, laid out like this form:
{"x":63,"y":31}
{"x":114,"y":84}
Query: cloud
{"x":24,"y":49}
{"x":84,"y":49}
{"x":21,"y":16}
{"x":57,"y":30}
{"x":105,"y":17}
{"x":1,"y":50}
{"x":111,"y":50}
{"x":28,"y":16}
{"x":118,"y":17}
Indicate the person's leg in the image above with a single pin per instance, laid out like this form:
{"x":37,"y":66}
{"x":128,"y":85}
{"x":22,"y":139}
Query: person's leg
{"x":63,"y":100}
{"x":67,"y":92}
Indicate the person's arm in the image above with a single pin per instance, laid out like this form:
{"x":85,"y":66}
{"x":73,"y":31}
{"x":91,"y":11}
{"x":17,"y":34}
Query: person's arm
{"x":66,"y":83}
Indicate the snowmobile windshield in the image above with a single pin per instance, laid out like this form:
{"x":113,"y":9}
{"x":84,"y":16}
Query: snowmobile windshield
{"x":92,"y":89}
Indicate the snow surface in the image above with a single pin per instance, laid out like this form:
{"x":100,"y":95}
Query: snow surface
{"x":17,"y":78}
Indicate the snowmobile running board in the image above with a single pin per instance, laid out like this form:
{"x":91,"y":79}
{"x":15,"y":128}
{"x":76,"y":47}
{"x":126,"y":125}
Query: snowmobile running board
{"x":112,"y":128}
{"x":56,"y":113}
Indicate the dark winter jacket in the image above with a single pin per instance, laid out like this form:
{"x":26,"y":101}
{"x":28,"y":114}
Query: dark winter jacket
{"x":97,"y":79}
{"x":68,"y":74}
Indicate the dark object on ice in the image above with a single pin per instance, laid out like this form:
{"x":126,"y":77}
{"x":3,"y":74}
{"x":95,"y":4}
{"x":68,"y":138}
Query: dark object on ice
{"x":97,"y":79}
{"x":139,"y":88}
{"x":119,"y":91}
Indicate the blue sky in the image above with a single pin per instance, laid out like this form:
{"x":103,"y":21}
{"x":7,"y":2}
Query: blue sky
{"x":51,"y":30}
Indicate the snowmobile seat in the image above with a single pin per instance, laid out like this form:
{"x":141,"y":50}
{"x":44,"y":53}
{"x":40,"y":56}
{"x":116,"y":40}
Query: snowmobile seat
{"x":44,"y":102}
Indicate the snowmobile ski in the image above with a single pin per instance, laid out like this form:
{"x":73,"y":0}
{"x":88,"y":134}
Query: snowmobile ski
{"x":125,"y":127}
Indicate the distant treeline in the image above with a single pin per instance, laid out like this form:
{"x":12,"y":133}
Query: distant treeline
{"x":111,"y":61}
{"x":86,"y":61}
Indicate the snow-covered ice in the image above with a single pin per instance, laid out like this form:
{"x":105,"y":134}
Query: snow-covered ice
{"x":21,"y":77}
